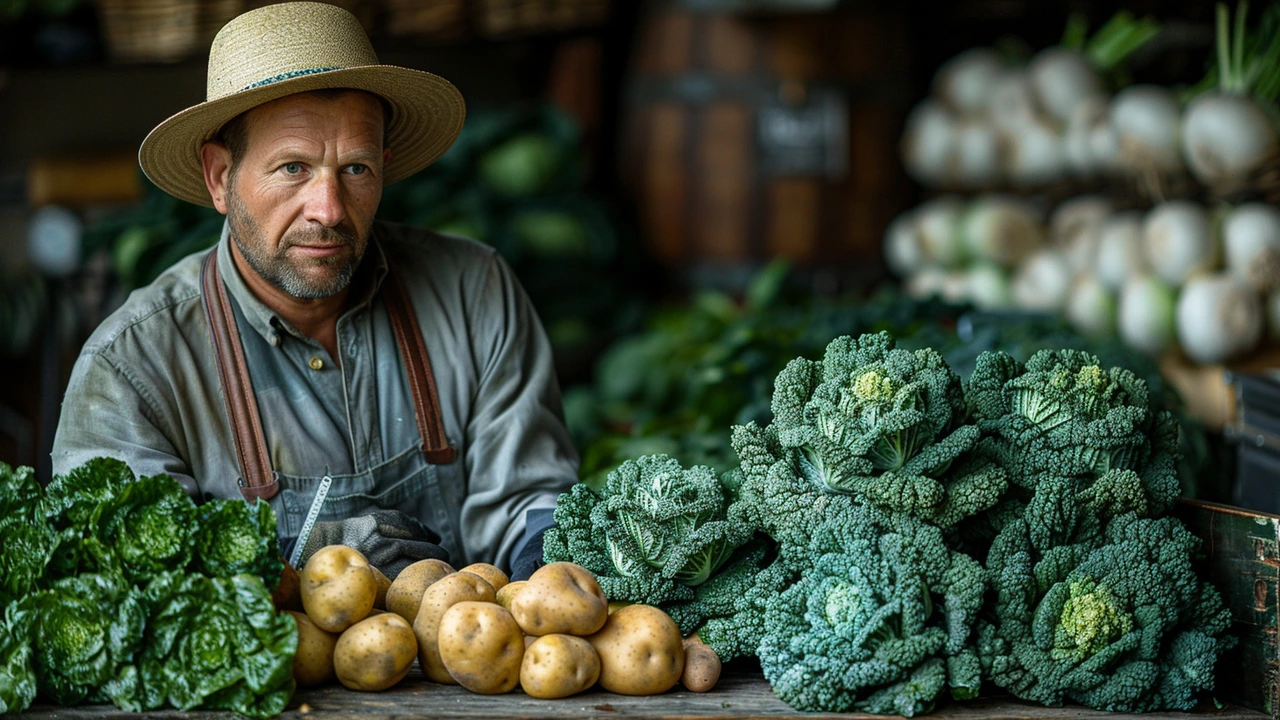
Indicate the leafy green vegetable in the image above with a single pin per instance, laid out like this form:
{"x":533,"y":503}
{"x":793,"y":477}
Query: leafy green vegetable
{"x":885,"y":425}
{"x":656,"y":531}
{"x":235,"y":537}
{"x":881,"y":604}
{"x":17,"y":676}
{"x":216,"y":644}
{"x":71,"y":499}
{"x":26,"y":539}
{"x":1125,"y":626}
{"x":146,"y":529}
{"x":85,"y":632}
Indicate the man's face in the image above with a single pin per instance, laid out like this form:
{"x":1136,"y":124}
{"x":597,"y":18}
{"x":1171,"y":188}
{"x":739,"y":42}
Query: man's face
{"x":301,"y":200}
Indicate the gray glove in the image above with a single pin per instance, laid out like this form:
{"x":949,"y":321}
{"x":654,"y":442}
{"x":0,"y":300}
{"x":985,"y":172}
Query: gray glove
{"x":389,"y":539}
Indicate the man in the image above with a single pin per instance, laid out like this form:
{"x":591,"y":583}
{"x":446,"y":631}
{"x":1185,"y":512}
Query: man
{"x":373,"y":377}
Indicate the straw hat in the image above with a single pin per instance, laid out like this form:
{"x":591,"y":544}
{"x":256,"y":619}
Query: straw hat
{"x":290,"y":48}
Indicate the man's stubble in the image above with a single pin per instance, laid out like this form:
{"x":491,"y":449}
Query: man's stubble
{"x":282,"y":271}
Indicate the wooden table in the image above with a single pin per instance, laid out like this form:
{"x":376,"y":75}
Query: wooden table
{"x":740,"y":695}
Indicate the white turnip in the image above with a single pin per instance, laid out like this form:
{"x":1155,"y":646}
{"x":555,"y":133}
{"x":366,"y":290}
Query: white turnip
{"x":1061,"y":79}
{"x":937,"y":224}
{"x":1042,"y":282}
{"x":1177,"y":238}
{"x":903,"y":251}
{"x":1145,"y":317}
{"x":1036,"y":153}
{"x":1218,"y":318}
{"x":929,"y":142}
{"x":977,"y":157}
{"x":1251,"y":244}
{"x":1091,"y":308}
{"x":988,"y":287}
{"x":1225,"y":136}
{"x":1146,"y":119}
{"x":1001,"y":229}
{"x":1120,"y":254}
{"x":965,"y":81}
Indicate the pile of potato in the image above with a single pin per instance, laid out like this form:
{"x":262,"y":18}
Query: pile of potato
{"x":554,"y":635}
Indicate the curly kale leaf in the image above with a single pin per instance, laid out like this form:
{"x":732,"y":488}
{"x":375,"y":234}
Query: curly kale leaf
{"x":17,"y":674}
{"x":217,"y":644}
{"x":147,"y":528}
{"x":85,"y":632}
{"x":885,"y":425}
{"x":873,"y":619}
{"x":71,"y":499}
{"x":656,"y":532}
{"x":1123,"y":626}
{"x":235,"y":538}
{"x":1063,"y":415}
{"x":26,"y":539}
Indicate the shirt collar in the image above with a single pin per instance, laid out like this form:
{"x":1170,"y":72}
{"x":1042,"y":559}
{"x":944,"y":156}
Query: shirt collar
{"x":364,"y":286}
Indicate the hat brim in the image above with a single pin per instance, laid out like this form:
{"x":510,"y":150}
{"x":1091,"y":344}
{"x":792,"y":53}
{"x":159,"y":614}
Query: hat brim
{"x":427,"y":113}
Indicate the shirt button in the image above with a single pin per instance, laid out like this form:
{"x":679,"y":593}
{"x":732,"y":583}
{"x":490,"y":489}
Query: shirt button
{"x":315,"y":362}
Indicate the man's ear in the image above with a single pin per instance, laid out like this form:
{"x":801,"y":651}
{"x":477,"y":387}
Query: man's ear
{"x":386,"y":156}
{"x":215,"y":160}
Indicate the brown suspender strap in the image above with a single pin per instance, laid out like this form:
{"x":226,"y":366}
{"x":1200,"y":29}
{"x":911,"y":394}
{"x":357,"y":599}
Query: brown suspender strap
{"x":422,"y":383}
{"x":257,"y":480}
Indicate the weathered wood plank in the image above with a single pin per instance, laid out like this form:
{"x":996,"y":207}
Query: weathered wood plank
{"x":1242,"y":551}
{"x":738,"y":696}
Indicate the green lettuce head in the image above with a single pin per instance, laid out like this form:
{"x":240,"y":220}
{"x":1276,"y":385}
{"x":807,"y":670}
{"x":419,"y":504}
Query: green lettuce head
{"x":84,"y":633}
{"x":17,"y":675}
{"x":26,"y":539}
{"x":236,"y":538}
{"x":71,"y":499}
{"x":146,"y":529}
{"x":217,"y":644}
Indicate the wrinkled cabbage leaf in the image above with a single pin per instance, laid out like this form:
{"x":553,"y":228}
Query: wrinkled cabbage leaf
{"x":236,"y":538}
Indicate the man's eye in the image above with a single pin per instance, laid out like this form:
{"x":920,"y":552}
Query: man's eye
{"x":358,"y":169}
{"x":292,"y":168}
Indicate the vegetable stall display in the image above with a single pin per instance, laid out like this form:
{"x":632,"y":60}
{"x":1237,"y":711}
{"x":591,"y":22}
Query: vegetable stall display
{"x":894,"y":536}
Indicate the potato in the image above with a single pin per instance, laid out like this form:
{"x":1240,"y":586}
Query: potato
{"x":641,"y":651}
{"x":557,"y":666}
{"x":313,"y":663}
{"x":443,"y":594}
{"x":490,"y":573}
{"x":481,"y":647}
{"x":338,"y":588}
{"x":288,"y":592}
{"x":375,"y":653}
{"x":701,"y":667}
{"x":405,"y":593}
{"x":384,"y":584}
{"x":508,"y":592}
{"x":560,"y":598}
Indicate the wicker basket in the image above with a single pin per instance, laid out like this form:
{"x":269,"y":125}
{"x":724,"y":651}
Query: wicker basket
{"x":162,"y":30}
{"x":508,"y":18}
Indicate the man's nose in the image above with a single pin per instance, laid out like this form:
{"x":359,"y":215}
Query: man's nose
{"x":325,"y":201}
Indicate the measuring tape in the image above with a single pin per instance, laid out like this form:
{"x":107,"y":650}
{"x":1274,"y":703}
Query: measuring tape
{"x":310,"y":523}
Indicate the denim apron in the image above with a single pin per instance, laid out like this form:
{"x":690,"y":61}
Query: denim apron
{"x":407,"y":480}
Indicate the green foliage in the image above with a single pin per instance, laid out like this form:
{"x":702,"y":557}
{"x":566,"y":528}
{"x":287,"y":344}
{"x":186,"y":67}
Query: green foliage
{"x":885,"y":425}
{"x":119,"y":589}
{"x":235,"y":537}
{"x":26,"y":539}
{"x":655,"y":533}
{"x":84,"y":633}
{"x":17,"y":675}
{"x":880,"y":605}
{"x":1121,"y":624}
{"x":144,"y":530}
{"x":216,"y":644}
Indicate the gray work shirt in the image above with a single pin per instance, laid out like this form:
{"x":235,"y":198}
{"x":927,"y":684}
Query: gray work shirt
{"x":145,"y":390}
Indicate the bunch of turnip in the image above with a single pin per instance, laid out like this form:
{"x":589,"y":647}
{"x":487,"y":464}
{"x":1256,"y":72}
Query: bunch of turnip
{"x":1176,"y":275}
{"x":990,"y":121}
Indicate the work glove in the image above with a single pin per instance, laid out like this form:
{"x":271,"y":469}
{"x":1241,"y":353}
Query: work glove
{"x":389,"y":539}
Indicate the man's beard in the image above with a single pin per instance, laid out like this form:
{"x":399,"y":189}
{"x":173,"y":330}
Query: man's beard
{"x":285,"y":273}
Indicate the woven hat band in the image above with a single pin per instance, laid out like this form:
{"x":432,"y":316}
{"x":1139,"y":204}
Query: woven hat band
{"x":279,"y":42}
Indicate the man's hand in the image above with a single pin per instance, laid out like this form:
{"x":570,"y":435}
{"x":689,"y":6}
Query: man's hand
{"x":389,"y":539}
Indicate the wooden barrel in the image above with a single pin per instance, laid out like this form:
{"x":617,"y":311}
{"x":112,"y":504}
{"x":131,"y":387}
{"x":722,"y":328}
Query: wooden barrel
{"x":749,"y":138}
